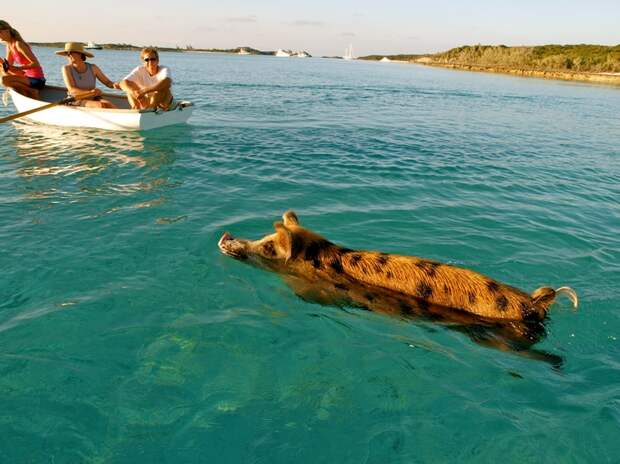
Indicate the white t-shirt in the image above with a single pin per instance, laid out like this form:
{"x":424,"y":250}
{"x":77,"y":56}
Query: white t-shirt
{"x":142,"y":77}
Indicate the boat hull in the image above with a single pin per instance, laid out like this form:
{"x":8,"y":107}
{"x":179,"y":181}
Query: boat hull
{"x":99,"y":118}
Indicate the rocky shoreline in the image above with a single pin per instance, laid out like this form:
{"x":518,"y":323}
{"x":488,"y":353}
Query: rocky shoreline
{"x":598,"y":78}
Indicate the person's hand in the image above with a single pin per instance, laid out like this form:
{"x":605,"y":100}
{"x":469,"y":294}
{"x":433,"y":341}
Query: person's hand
{"x":116,"y":85}
{"x":144,"y":92}
{"x":98,"y":92}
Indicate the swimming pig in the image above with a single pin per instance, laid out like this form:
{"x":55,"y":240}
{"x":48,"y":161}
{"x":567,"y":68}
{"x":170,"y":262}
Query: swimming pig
{"x":300,"y":253}
{"x":491,"y":313}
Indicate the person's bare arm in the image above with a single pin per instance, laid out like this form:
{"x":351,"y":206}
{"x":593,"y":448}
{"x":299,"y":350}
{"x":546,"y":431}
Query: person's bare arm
{"x":164,"y":84}
{"x":128,"y":86}
{"x":5,"y":63}
{"x":32,"y":60}
{"x":103,"y":78}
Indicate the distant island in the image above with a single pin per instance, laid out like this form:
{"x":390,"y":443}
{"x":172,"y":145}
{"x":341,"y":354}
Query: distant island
{"x":115,"y":46}
{"x":589,"y":63}
{"x":187,"y":48}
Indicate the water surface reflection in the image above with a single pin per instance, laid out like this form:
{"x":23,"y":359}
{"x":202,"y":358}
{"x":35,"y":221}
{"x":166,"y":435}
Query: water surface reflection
{"x":66,"y":163}
{"x":49,"y":150}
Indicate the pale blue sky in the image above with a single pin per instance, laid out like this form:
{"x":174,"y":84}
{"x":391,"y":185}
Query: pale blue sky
{"x":321,"y":27}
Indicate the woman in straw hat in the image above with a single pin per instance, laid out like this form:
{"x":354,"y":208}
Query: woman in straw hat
{"x":20,"y":69}
{"x":81,"y":77}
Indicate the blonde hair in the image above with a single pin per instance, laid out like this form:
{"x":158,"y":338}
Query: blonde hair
{"x":4,"y":26}
{"x":148,"y":51}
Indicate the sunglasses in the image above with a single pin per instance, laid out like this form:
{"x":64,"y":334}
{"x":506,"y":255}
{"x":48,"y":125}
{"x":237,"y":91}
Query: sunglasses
{"x":150,"y":59}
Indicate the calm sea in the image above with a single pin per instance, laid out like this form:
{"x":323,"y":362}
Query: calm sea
{"x":125,"y":336}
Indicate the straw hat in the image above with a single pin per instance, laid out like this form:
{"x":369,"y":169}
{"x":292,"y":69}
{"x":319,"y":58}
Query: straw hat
{"x":74,"y":47}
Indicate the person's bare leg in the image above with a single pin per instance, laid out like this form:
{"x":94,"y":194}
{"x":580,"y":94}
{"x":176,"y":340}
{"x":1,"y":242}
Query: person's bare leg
{"x":27,"y":91}
{"x":21,"y":85}
{"x":99,"y":104}
{"x":148,"y":101}
{"x":107,"y":104}
{"x":161,"y":99}
{"x":145,"y":102}
{"x":129,"y":88}
{"x":166,"y":99}
{"x":135,"y":103}
{"x":91,"y":104}
{"x":10,"y":80}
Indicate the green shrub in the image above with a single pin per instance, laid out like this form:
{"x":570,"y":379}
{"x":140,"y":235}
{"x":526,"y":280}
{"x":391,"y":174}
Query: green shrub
{"x":553,"y":57}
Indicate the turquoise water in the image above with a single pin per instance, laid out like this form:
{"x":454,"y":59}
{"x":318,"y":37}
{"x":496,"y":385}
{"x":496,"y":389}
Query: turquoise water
{"x":125,"y":336}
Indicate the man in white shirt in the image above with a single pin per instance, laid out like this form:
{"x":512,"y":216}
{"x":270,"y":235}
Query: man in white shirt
{"x":148,"y":86}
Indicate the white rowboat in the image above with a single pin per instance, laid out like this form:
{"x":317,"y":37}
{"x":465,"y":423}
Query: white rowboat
{"x":122,"y":119}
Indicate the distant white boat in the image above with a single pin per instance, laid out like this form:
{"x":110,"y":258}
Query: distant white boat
{"x":348,"y":53}
{"x":243,"y":51}
{"x":385,"y":59}
{"x":302,"y":54}
{"x":283,"y":53}
{"x":93,"y":46}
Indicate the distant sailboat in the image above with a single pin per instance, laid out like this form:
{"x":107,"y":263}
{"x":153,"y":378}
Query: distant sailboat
{"x":348,"y":53}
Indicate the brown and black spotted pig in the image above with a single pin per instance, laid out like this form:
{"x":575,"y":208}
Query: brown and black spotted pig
{"x":414,"y":284}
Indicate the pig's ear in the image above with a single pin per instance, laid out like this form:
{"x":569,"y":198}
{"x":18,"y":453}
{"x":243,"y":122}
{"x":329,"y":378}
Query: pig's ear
{"x":290,"y":218}
{"x":284,"y":239}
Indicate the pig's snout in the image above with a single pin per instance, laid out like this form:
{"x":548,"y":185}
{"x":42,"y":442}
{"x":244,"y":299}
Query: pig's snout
{"x":232,"y":247}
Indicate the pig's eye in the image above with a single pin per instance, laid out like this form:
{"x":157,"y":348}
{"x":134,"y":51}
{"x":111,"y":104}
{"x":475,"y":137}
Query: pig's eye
{"x":269,"y":249}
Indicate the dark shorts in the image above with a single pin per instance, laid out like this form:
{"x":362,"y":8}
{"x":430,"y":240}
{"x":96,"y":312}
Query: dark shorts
{"x":36,"y":83}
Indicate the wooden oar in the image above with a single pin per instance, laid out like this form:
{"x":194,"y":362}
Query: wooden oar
{"x":64,"y":101}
